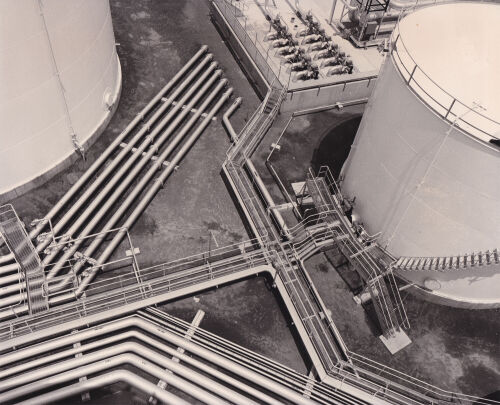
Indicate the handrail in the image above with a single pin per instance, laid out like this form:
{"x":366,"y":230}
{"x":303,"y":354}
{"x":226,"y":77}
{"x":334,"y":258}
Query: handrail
{"x":450,"y":110}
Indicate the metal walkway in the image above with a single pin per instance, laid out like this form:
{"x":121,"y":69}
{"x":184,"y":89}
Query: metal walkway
{"x":26,"y":256}
{"x":378,"y":279}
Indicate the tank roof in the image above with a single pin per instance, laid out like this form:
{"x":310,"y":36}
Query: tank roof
{"x":457,"y":45}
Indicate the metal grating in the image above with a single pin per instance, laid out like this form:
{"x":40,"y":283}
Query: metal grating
{"x":19,"y":243}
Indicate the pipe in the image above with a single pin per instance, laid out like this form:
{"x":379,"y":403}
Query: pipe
{"x":160,"y":332}
{"x":111,"y":184}
{"x":103,"y":380}
{"x":227,"y":123}
{"x":123,"y":185}
{"x":151,"y":192}
{"x":268,"y":198}
{"x":404,"y":4}
{"x":133,"y":157}
{"x":133,"y":334}
{"x":134,"y":354}
{"x":110,"y":149}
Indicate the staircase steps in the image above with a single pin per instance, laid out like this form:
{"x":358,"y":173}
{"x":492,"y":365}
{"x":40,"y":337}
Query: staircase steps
{"x":446,"y":263}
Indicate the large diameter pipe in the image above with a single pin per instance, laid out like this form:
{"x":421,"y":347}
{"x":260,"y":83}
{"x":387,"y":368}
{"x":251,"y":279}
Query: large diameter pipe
{"x":160,"y":332}
{"x":132,"y":158}
{"x":110,"y":149}
{"x":123,"y":185}
{"x":126,"y":348}
{"x":161,"y":179}
{"x":116,"y":143}
{"x":104,"y":380}
{"x":149,"y":195}
{"x":106,"y":364}
{"x":137,"y":335}
{"x":227,"y":123}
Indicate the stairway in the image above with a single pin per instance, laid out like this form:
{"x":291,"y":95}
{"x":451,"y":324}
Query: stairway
{"x":380,"y":282}
{"x":467,"y":261}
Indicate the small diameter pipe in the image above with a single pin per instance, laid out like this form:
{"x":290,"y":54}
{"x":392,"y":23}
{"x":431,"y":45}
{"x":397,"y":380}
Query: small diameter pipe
{"x":150,"y":193}
{"x":132,"y":158}
{"x":227,"y":123}
{"x":110,"y":149}
{"x":163,"y":334}
{"x":103,"y":380}
{"x":141,"y":353}
{"x":268,"y":198}
{"x":123,"y":184}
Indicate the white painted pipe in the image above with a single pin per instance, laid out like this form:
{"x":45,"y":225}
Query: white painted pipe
{"x":137,"y":335}
{"x":140,"y":353}
{"x":110,"y":149}
{"x":268,"y":198}
{"x":160,"y":332}
{"x":150,"y":194}
{"x":103,"y":380}
{"x":150,"y":139}
{"x":116,"y":143}
{"x":6,"y":258}
{"x":112,"y":184}
{"x":11,"y":278}
{"x":124,"y":183}
{"x":227,"y":123}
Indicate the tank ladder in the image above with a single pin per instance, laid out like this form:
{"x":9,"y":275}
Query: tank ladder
{"x":379,"y":279}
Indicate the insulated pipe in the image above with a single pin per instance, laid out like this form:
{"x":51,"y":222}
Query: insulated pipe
{"x":158,"y":331}
{"x":133,"y":334}
{"x":123,"y":185}
{"x":103,"y":380}
{"x":102,"y":158}
{"x":133,"y":157}
{"x":150,"y":193}
{"x":227,"y":123}
{"x":127,"y":348}
{"x":268,"y":198}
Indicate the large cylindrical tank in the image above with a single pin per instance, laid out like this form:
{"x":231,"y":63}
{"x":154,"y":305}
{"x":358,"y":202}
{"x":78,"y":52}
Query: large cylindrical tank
{"x":60,"y":78}
{"x":424,"y":167}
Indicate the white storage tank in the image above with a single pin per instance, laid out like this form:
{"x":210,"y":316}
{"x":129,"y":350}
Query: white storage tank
{"x":60,"y":79}
{"x":424,"y":167}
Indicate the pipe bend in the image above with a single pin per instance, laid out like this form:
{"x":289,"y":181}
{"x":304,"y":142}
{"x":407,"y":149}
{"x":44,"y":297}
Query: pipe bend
{"x":227,"y":122}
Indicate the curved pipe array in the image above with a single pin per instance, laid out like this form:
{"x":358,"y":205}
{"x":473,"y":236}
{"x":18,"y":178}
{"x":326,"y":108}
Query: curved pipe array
{"x":75,"y":368}
{"x":103,"y":380}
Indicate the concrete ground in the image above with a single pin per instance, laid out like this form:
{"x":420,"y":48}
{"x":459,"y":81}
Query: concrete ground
{"x":454,"y":349}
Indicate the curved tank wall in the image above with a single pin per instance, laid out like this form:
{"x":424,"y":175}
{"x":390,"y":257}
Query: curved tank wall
{"x":420,"y":177}
{"x":59,"y":75}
